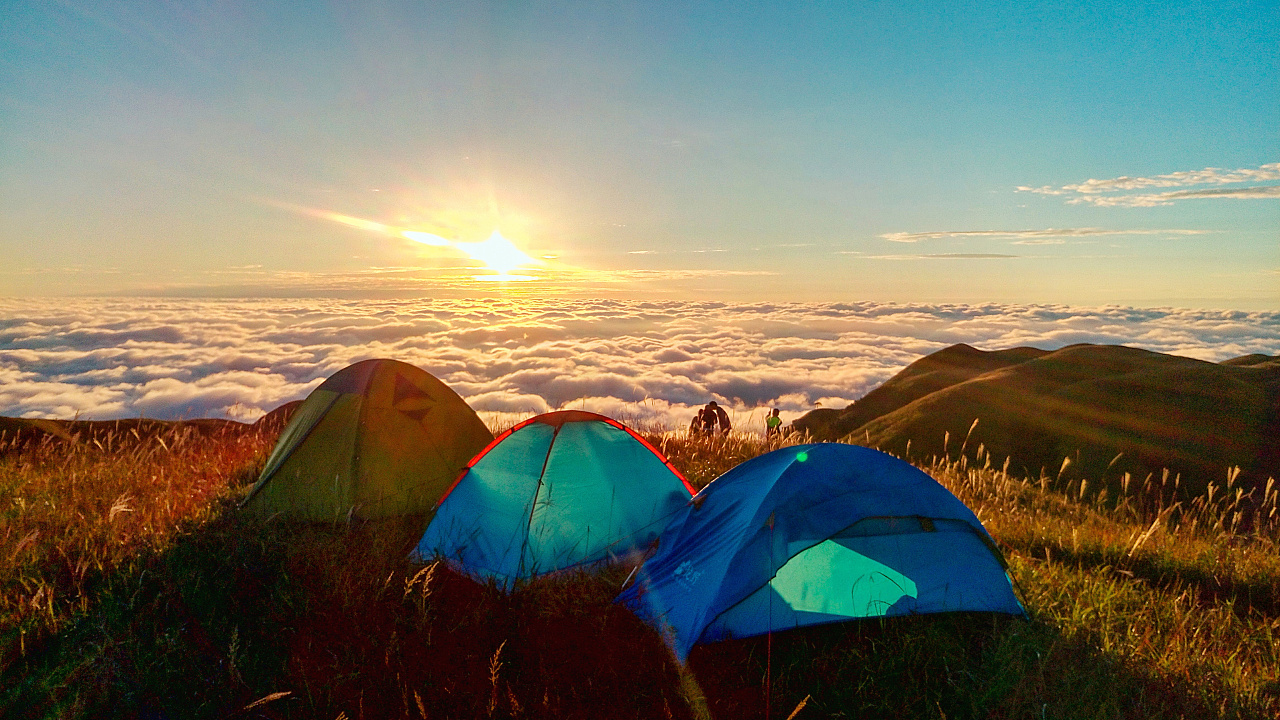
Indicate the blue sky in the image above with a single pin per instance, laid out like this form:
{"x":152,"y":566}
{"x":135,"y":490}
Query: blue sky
{"x":937,"y":152}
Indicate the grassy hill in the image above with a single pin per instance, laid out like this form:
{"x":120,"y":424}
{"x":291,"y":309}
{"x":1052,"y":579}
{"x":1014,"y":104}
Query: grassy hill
{"x":130,"y":587}
{"x":1105,"y":410}
{"x":20,"y":434}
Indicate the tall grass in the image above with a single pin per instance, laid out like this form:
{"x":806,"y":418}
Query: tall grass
{"x":1183,"y":596}
{"x":703,"y":458}
{"x":74,"y":512}
{"x":133,"y":588}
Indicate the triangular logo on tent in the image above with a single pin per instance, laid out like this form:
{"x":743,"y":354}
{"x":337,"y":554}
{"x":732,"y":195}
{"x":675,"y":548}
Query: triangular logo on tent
{"x":411,"y":399}
{"x":405,"y":389}
{"x":418,"y":414}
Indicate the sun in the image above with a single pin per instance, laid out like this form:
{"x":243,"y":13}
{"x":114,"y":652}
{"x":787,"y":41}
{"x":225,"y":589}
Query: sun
{"x":500,"y":255}
{"x":497,"y":253}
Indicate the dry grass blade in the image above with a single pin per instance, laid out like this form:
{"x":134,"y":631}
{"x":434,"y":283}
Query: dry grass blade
{"x":805,"y":701}
{"x":29,"y":539}
{"x":268,"y":699}
{"x":121,"y":505}
{"x":495,"y":668}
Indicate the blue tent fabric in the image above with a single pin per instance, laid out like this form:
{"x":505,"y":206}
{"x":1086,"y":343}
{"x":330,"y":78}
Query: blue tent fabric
{"x":560,"y":490}
{"x":813,"y":534}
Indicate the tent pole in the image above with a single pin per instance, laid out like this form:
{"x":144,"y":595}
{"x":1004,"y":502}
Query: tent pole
{"x":768,"y":678}
{"x":533,"y":506}
{"x":768,"y":663}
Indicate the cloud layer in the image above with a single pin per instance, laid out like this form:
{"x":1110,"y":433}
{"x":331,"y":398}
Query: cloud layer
{"x":648,"y":363}
{"x":1114,"y":192}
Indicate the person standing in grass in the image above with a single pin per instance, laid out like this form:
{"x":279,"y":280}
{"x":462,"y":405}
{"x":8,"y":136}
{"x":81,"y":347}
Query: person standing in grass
{"x":772,"y":424}
{"x":708,"y":418}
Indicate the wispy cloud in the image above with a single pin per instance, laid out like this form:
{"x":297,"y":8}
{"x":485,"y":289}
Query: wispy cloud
{"x":1046,"y":236}
{"x":678,"y":252}
{"x":1189,"y":178}
{"x":1167,"y":198}
{"x":647,"y":362}
{"x":943,"y":256}
{"x":969,"y":256}
{"x":1113,"y":192}
{"x":940,"y":256}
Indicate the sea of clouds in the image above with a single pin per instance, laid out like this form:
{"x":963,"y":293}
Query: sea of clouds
{"x":648,"y":363}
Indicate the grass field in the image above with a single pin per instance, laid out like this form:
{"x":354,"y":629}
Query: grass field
{"x":132,"y":588}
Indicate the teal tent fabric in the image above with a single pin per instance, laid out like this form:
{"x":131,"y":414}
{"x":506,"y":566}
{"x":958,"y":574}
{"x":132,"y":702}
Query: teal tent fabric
{"x":560,"y":490}
{"x":815,"y":534}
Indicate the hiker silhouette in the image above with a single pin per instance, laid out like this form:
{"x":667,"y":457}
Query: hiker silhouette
{"x":710,"y":416}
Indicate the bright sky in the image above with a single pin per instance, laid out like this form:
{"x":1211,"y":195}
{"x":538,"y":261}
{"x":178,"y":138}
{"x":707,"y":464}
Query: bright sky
{"x":1024,"y":152}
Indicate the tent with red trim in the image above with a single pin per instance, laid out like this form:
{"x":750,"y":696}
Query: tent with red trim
{"x":378,"y":439}
{"x":560,"y":490}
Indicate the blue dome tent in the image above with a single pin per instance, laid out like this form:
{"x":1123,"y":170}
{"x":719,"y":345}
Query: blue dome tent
{"x":815,"y":534}
{"x":560,"y":490}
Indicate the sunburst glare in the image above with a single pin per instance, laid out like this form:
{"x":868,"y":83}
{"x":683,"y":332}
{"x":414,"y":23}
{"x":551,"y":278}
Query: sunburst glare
{"x":425,"y":238}
{"x":497,"y":253}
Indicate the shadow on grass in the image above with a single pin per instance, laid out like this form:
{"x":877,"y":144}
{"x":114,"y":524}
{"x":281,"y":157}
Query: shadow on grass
{"x":240,"y":618}
{"x":935,"y":666}
{"x":434,"y":643}
{"x":1244,"y":595}
{"x":191,"y":627}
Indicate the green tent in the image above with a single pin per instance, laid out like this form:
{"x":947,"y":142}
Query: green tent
{"x":378,"y":439}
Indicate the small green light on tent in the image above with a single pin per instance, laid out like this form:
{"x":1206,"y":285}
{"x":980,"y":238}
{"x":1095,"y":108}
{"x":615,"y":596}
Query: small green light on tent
{"x":802,"y":456}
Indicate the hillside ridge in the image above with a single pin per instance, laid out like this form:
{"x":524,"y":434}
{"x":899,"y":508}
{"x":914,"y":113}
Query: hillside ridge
{"x":1107,"y":409}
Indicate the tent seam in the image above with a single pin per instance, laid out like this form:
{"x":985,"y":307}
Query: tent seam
{"x":533,"y":506}
{"x":320,"y":418}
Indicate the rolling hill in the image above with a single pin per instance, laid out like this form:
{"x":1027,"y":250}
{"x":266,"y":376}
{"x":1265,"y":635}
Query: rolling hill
{"x":17,"y":434}
{"x":1109,"y":409}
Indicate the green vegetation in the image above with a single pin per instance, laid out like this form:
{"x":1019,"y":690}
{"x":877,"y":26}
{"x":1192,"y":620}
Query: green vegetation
{"x":1109,"y":409}
{"x":132,"y":588}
